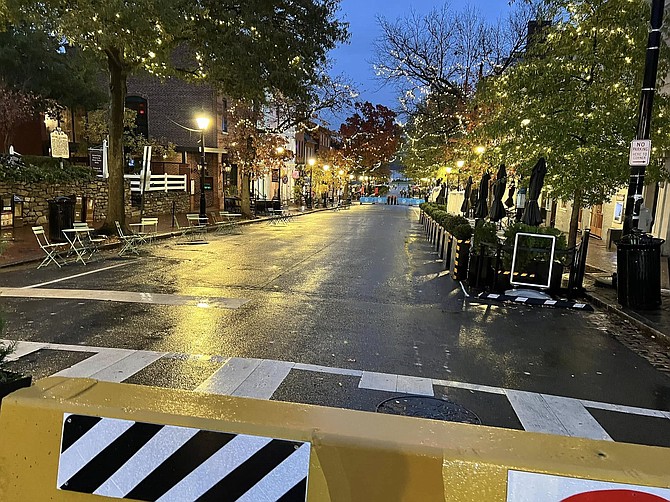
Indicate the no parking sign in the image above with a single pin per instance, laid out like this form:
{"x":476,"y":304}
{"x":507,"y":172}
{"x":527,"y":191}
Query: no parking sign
{"x":531,"y":487}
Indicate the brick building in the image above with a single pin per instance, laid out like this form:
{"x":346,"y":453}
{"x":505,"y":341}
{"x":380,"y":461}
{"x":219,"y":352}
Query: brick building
{"x":167,"y":109}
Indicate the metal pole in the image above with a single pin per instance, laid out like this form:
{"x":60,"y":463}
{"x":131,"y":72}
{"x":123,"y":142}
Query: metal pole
{"x":203,"y":201}
{"x":636,"y":183}
{"x":311,"y":173}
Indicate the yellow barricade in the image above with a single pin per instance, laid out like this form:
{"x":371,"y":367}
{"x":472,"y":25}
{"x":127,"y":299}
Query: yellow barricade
{"x":79,"y":439}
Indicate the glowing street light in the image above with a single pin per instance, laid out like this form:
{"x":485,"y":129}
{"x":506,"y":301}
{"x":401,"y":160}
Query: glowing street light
{"x":480,"y":150}
{"x":460,"y":164}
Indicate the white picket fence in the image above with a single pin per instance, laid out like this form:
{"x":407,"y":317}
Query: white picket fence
{"x":158,"y":183}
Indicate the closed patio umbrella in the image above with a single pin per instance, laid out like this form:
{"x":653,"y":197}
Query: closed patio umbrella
{"x":481,"y":208}
{"x":441,"y":198}
{"x":510,"y":196}
{"x":465,"y":207}
{"x":531,"y":214}
{"x":498,"y":212}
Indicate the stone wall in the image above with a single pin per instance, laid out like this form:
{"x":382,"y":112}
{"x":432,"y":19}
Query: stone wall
{"x":37,"y":195}
{"x":157,"y":203}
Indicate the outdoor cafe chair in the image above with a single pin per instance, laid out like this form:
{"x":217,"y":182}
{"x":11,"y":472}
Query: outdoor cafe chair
{"x":52,"y":251}
{"x":149,"y":228}
{"x":197,"y":226}
{"x":130,"y":242}
{"x":90,"y":242}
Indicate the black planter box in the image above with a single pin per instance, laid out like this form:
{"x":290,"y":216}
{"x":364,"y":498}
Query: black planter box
{"x":481,"y":271}
{"x":15,"y":382}
{"x":460,"y":255}
{"x":539,"y":270}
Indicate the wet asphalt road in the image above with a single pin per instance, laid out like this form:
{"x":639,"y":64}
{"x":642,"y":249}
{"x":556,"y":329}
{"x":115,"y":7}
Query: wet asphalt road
{"x":356,"y":289}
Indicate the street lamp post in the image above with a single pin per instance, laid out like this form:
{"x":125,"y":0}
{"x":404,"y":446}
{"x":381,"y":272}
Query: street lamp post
{"x":280,"y":151}
{"x":203,"y":123}
{"x":326,"y":168}
{"x":311,"y":163}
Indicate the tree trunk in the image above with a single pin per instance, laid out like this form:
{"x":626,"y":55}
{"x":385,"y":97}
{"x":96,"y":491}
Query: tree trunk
{"x":117,"y":91}
{"x":245,"y":196}
{"x":574,"y":220}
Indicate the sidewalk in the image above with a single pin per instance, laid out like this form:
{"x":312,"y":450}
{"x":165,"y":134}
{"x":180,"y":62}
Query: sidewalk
{"x":21,"y":246}
{"x":601,"y":263}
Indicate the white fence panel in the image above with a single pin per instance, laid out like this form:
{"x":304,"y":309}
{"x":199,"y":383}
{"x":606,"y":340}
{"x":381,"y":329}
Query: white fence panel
{"x":158,"y":182}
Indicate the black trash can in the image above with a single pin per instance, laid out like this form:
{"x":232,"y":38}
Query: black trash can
{"x":61,"y":216}
{"x":639,"y":271}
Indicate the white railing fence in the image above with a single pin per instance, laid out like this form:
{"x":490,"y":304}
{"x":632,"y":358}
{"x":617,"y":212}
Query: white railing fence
{"x":158,"y":183}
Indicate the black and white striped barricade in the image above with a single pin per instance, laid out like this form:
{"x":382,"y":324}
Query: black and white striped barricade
{"x":120,"y":458}
{"x":522,"y":300}
{"x":69,"y":440}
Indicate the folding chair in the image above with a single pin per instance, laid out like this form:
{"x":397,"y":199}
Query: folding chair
{"x":130,"y":242}
{"x":197,"y":226}
{"x":149,"y":233}
{"x":90,"y":243}
{"x":52,"y":250}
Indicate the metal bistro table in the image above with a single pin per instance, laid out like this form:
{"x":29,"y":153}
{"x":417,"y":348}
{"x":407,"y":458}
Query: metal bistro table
{"x":229,"y":224}
{"x":279,"y":216}
{"x":80,"y":242}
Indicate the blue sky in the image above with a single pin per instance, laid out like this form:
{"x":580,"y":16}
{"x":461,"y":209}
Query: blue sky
{"x":354,"y":59}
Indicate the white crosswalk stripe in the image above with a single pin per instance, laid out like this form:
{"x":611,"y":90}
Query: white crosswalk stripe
{"x":260,"y":379}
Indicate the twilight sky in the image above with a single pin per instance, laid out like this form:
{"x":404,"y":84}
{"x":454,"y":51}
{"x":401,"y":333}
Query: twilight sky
{"x":354,"y":59}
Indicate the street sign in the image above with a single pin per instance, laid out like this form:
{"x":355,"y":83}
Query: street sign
{"x":531,"y":487}
{"x":59,"y":144}
{"x":640,"y":153}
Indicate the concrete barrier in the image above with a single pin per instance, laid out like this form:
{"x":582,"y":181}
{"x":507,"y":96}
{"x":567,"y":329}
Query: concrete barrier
{"x":78,"y":439}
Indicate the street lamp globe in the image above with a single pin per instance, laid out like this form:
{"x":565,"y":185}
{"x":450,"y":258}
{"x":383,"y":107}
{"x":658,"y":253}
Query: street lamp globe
{"x":311,"y":162}
{"x":326,"y":167}
{"x":460,"y":164}
{"x":340,"y":172}
{"x":202,"y":121}
{"x":480,"y":150}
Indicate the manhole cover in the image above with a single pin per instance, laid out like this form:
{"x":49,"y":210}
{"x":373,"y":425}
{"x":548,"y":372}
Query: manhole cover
{"x":428,"y":407}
